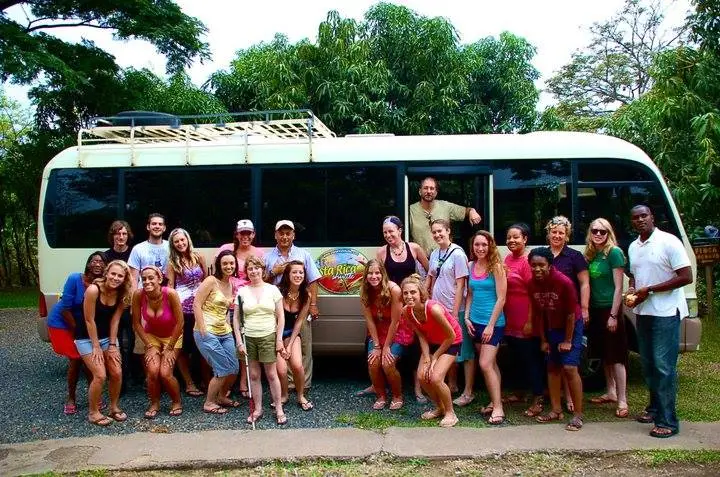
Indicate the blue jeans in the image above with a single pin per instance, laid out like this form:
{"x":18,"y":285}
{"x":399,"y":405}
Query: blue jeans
{"x":658,"y":338}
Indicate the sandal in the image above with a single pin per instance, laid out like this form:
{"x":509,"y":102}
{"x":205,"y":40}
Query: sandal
{"x":253,"y":418}
{"x":449,"y":421}
{"x":645,"y":418}
{"x":496,"y":420}
{"x":215,"y":410}
{"x":575,"y":424}
{"x":281,"y":419}
{"x":306,"y":405}
{"x":604,"y":399}
{"x":549,"y":417}
{"x":70,"y":409}
{"x":463,"y":400}
{"x":379,"y":404}
{"x":662,"y":432}
{"x":487,"y":410}
{"x":429,"y":415}
{"x":622,"y":412}
{"x":177,"y":411}
{"x":365,"y":392}
{"x":421,"y":399}
{"x":102,"y":421}
{"x":118,"y":416}
{"x":395,"y":405}
{"x":151,"y":414}
{"x":534,"y":410}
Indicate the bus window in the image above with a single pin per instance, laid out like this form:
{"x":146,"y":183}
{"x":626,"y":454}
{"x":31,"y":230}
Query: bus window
{"x":205,"y":202}
{"x":531,"y":192}
{"x":330,"y":206}
{"x":79,"y":206}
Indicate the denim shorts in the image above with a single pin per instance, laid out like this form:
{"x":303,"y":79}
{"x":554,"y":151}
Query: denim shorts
{"x":569,"y":358}
{"x":497,"y":336}
{"x":396,"y":349}
{"x":84,"y":346}
{"x":219,"y":352}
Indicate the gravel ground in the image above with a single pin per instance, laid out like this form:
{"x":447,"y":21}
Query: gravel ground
{"x":33,"y":392}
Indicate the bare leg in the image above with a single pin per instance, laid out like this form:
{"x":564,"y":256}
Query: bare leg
{"x":73,"y":375}
{"x":114,"y":374}
{"x":442,"y":391}
{"x":274,"y":385}
{"x":491,"y":372}
{"x":296,"y":364}
{"x":620,"y":377}
{"x":572,"y":377}
{"x":282,"y":372}
{"x":183,"y":364}
{"x":555,"y":387}
{"x":95,"y":387}
{"x":256,"y":389}
{"x":393,"y":378}
{"x":170,"y":381}
{"x":152,"y":378}
{"x":469,"y":373}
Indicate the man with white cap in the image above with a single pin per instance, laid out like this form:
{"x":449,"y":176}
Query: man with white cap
{"x":275,"y":262}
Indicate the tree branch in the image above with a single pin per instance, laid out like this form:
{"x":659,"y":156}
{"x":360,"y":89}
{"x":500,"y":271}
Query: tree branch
{"x":86,"y":23}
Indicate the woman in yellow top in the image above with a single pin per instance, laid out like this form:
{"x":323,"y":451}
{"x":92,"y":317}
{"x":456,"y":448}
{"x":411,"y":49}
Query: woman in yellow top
{"x":263,"y":319}
{"x":213,"y":334}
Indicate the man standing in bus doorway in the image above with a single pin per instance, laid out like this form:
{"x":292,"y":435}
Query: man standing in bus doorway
{"x":422,"y":213}
{"x":153,"y":251}
{"x":659,"y":267}
{"x":275,"y":262}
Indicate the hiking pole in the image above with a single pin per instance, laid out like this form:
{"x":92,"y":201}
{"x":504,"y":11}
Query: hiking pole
{"x":247,"y":378}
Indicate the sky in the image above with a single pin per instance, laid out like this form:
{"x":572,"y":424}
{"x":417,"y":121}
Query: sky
{"x":556,"y":28}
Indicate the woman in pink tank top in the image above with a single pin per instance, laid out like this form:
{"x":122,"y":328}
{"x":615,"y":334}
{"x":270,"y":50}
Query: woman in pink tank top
{"x":440,"y":336}
{"x":158,"y":321}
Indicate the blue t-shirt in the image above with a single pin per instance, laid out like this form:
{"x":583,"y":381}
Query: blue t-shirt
{"x":484,"y":297}
{"x":71,"y":299}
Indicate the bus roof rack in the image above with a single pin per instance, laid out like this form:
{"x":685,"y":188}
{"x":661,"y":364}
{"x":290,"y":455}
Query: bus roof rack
{"x":144,"y":127}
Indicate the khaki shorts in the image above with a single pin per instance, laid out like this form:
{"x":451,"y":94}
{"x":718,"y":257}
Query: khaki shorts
{"x":261,"y":349}
{"x":162,"y":342}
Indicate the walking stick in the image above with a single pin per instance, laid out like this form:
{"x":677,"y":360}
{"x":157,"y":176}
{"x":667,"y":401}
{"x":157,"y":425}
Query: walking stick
{"x":241,"y":320}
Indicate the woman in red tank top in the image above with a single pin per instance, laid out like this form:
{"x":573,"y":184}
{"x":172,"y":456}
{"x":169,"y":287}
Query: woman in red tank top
{"x":440,"y":337}
{"x":158,"y":322}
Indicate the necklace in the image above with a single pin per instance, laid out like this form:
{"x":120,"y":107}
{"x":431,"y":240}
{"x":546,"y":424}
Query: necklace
{"x":398,"y":251}
{"x":293,"y":297}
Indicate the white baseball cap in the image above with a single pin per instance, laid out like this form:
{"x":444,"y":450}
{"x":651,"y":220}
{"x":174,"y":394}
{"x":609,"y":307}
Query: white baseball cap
{"x":244,"y":225}
{"x":284,"y":223}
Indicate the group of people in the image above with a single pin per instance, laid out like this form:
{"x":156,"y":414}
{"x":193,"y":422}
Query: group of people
{"x":424,"y":295}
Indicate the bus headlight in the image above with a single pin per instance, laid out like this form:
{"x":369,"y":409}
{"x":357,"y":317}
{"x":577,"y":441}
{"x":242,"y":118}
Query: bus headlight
{"x":692,"y":304}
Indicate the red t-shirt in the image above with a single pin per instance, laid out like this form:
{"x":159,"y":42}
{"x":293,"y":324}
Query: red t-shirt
{"x":553,"y":299}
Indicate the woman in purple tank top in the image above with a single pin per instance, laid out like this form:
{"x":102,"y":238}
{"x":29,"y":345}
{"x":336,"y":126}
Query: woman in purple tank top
{"x":186,"y":271}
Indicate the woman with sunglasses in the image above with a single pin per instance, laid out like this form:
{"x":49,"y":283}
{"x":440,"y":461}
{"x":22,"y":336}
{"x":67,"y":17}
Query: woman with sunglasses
{"x":607,"y":325}
{"x":573,"y":265}
{"x":446,"y":282}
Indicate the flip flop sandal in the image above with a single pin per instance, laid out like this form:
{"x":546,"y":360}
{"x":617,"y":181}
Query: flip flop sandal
{"x":281,"y":419}
{"x":70,"y":409}
{"x":463,"y":400}
{"x":430,"y":415}
{"x":534,"y":410}
{"x":151,"y":414}
{"x":395,"y":405}
{"x":549,"y":417}
{"x":194,"y":393}
{"x":215,"y":410}
{"x":102,"y":421}
{"x":118,"y":416}
{"x":604,"y":399}
{"x":622,"y":412}
{"x":575,"y":424}
{"x":449,"y":421}
{"x":379,"y":404}
{"x":364,"y":392}
{"x":306,"y":405}
{"x":176,"y":412}
{"x":662,"y":432}
{"x":496,"y":420}
{"x":645,"y":418}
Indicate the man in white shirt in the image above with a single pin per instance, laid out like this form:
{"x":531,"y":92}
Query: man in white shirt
{"x":658,"y":268}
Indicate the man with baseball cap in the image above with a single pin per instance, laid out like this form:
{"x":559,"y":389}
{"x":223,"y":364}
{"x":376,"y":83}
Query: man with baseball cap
{"x":275,"y":262}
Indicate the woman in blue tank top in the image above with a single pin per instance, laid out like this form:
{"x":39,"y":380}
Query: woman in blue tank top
{"x":484,"y":318}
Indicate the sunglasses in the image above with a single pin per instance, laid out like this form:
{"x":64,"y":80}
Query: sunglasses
{"x":602,"y":232}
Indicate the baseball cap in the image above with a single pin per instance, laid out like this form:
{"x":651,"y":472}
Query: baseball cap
{"x":284,"y":223}
{"x":244,"y":225}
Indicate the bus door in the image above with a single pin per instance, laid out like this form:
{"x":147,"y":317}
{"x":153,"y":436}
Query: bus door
{"x":467,"y":186}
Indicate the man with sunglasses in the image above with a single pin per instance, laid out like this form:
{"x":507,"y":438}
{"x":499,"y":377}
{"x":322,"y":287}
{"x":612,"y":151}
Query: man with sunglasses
{"x":658,"y":268}
{"x":423,"y":212}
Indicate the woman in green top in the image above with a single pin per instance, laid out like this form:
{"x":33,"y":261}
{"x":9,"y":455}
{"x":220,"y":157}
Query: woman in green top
{"x":607,"y":324}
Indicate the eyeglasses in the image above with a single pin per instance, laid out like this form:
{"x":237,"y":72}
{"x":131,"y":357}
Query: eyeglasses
{"x":602,"y":232}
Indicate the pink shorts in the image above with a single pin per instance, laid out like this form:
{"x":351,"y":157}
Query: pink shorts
{"x":63,"y":343}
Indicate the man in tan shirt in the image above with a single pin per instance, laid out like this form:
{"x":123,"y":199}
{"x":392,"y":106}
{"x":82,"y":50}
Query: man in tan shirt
{"x":429,"y":209}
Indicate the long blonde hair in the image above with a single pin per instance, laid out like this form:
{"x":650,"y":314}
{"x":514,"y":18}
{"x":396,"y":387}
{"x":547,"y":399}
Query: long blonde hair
{"x":611,"y":242}
{"x":176,"y":257}
{"x":366,"y":290}
{"x":124,"y":293}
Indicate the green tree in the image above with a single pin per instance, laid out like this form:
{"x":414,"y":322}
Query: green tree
{"x":394,"y":72}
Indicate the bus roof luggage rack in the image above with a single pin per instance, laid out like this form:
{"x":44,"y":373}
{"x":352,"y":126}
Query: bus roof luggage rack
{"x":145,"y":127}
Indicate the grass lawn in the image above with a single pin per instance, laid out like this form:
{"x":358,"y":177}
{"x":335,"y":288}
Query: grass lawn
{"x":698,"y":400}
{"x":18,"y":298}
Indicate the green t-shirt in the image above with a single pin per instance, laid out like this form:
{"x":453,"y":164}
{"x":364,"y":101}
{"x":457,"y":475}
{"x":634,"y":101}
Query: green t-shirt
{"x":420,"y":221}
{"x":602,"y":285}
